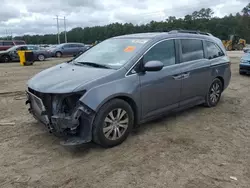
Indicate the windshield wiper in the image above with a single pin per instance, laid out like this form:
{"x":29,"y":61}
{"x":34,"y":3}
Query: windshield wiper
{"x":93,"y":64}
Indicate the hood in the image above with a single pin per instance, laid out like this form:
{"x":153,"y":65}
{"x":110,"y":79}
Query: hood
{"x":65,"y":78}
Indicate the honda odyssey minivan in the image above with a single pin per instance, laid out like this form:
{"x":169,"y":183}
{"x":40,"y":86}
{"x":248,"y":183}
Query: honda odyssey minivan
{"x":127,"y":80}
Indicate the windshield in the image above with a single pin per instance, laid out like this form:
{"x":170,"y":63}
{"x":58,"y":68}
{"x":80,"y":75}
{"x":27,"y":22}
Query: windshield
{"x":113,"y":53}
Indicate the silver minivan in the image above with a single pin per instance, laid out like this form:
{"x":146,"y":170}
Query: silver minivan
{"x":127,"y":80}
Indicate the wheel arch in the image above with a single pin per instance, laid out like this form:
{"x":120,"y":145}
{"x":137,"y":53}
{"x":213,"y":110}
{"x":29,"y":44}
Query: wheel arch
{"x":41,"y":54}
{"x":222,"y":81}
{"x":58,"y":51}
{"x":131,"y":103}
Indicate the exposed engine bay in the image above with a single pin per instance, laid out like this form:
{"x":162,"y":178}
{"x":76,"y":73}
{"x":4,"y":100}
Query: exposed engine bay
{"x":63,"y":114}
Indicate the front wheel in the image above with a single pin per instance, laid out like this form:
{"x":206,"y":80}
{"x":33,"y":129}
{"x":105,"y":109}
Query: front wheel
{"x":6,"y":59}
{"x":214,"y":93}
{"x":113,"y":123}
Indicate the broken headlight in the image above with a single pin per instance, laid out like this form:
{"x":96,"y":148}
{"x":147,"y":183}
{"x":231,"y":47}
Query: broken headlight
{"x":65,"y":103}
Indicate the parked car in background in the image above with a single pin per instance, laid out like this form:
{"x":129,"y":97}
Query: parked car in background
{"x":247,"y":49}
{"x":88,"y":46}
{"x":11,"y":54}
{"x":128,"y":80}
{"x":67,"y":49}
{"x":6,"y":44}
{"x":245,"y":64}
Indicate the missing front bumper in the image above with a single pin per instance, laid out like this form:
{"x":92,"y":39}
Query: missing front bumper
{"x":76,"y":128}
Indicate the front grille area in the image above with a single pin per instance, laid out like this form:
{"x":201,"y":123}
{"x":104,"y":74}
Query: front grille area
{"x":46,"y":98}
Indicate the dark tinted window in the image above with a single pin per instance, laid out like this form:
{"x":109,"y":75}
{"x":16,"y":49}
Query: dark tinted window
{"x":21,"y":48}
{"x":74,"y":45}
{"x":6,"y":43}
{"x":163,"y":51}
{"x":213,"y":51}
{"x":192,"y":49}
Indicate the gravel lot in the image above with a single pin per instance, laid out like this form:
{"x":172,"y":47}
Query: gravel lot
{"x":198,"y":148}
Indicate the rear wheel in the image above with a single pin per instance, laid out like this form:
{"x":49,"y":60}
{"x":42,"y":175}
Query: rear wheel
{"x":41,"y":57}
{"x":113,"y":123}
{"x":214,"y":93}
{"x":58,"y":54}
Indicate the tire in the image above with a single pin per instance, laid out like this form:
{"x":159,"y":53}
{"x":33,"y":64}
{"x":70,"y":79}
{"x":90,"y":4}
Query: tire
{"x":241,"y":73}
{"x":214,"y":94}
{"x":109,"y":137}
{"x":5,"y":59}
{"x":41,"y":57}
{"x":58,"y":54}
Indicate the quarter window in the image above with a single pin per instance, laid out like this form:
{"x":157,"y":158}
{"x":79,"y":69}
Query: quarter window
{"x":192,"y":49}
{"x":213,"y":51}
{"x":163,"y":51}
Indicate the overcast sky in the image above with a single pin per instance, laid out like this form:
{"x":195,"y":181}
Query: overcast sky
{"x":21,"y":17}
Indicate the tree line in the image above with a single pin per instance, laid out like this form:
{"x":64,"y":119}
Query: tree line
{"x":202,"y":20}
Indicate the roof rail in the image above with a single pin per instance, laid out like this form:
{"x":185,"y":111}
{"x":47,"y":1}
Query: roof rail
{"x":190,"y":31}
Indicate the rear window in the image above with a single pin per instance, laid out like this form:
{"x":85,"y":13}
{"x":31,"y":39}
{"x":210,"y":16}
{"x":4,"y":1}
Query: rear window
{"x":8,"y":43}
{"x":213,"y":51}
{"x":192,"y":49}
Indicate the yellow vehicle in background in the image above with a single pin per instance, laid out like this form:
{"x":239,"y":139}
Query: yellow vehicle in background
{"x":234,"y":43}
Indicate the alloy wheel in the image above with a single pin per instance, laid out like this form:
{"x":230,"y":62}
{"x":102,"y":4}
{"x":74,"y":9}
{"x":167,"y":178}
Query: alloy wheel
{"x":215,"y":92}
{"x":115,"y":124}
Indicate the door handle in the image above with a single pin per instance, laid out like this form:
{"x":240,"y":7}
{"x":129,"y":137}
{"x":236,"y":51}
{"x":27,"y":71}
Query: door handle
{"x":178,"y":77}
{"x":186,"y":75}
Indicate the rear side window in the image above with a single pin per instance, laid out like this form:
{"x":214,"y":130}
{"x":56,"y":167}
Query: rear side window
{"x":163,"y":51}
{"x":8,"y":43}
{"x":32,"y":48}
{"x":213,"y":51}
{"x":21,"y":48}
{"x":192,"y":49}
{"x":68,"y":46}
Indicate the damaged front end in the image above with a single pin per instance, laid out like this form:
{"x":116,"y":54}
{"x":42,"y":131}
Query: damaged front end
{"x":63,"y":114}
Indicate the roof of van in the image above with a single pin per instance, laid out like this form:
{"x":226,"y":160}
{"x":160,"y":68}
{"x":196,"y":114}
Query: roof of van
{"x":171,"y":34}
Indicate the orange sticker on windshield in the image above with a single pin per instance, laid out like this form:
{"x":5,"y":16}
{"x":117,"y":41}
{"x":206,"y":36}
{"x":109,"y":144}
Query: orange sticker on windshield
{"x":129,"y":49}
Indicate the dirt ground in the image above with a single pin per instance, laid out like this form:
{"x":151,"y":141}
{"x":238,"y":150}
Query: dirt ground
{"x":199,"y":148}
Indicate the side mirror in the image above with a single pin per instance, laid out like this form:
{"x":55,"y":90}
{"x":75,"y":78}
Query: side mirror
{"x":153,"y":66}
